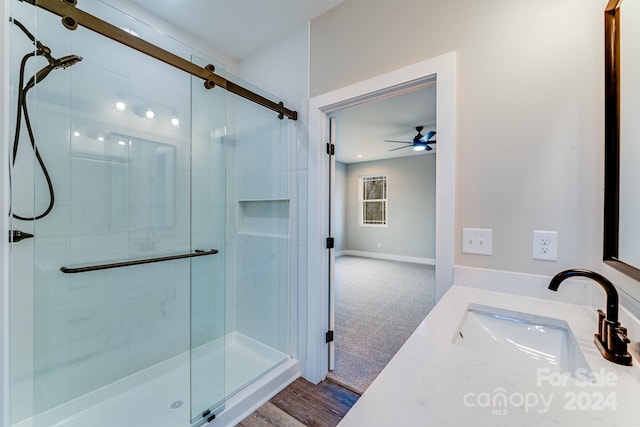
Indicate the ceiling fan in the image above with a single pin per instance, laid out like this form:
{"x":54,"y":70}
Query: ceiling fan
{"x":420,"y":142}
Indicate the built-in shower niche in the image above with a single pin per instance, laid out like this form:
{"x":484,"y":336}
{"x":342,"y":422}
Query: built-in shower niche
{"x":268,"y":218}
{"x":260,"y":307}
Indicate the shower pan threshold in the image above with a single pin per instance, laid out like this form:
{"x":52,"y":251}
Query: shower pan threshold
{"x":160,"y":394}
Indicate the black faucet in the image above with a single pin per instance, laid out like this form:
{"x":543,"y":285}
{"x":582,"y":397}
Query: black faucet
{"x":611,"y":338}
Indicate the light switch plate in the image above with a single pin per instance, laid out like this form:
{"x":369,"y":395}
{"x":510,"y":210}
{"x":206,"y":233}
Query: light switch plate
{"x":477,"y":241}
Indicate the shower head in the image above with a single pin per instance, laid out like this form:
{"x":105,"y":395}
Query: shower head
{"x":42,"y":50}
{"x":66,"y":61}
{"x":54,"y":64}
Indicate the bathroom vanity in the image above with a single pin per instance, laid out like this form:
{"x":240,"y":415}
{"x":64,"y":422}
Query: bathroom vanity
{"x":486,"y":358}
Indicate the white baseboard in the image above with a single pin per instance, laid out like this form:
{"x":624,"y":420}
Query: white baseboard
{"x":390,"y":257}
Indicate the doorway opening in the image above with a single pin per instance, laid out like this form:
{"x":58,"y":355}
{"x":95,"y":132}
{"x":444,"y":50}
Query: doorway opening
{"x":383,"y":182}
{"x":317,"y":294}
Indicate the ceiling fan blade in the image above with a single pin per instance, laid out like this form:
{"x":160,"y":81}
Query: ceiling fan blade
{"x":401,"y":142}
{"x":427,"y":140}
{"x":406,"y":146}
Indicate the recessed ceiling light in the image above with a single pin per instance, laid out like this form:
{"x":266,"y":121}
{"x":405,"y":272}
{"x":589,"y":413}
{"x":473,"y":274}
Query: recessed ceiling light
{"x":121,"y":106}
{"x":359,"y":156}
{"x":175,"y":122}
{"x":76,"y":133}
{"x":101,"y":138}
{"x":150,"y":114}
{"x":121,"y":142}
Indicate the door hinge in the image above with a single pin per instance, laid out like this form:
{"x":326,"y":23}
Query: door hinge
{"x":329,"y":336}
{"x":331,"y":149}
{"x":330,"y":242}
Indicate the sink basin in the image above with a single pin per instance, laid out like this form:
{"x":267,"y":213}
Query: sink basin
{"x":528,"y":340}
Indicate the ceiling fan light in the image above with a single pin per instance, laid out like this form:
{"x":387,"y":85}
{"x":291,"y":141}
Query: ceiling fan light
{"x":419,"y":147}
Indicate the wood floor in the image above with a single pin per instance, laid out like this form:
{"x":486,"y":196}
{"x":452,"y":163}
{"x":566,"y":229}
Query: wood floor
{"x":304,"y":404}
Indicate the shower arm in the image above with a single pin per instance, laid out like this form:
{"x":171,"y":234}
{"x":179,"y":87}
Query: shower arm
{"x":72,"y":17}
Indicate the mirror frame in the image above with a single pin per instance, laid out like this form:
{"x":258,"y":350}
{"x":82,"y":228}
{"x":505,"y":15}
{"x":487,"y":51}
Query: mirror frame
{"x":612,"y":141}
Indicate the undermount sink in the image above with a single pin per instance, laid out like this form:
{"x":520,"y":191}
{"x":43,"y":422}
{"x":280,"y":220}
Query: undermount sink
{"x":528,"y":340}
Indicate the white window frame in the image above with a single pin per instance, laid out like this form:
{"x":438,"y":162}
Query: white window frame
{"x":361,"y":200}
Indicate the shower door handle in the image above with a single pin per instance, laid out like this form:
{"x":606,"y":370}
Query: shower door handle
{"x":106,"y":266}
{"x":16,"y":235}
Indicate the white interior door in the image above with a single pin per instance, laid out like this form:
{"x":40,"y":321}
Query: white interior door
{"x":331,"y":249}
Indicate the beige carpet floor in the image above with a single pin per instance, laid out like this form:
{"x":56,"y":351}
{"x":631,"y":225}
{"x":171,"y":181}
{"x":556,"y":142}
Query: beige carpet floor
{"x":379,"y":304}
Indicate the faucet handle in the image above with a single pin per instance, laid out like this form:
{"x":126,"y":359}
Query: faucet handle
{"x":614,"y":345}
{"x":602,"y":330}
{"x":621,"y":332}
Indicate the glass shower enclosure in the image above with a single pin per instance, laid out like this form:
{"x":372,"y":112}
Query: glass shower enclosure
{"x":156,"y":287}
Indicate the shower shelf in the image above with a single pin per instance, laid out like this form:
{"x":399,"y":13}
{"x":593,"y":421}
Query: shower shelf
{"x":96,"y":267}
{"x":265,"y":218}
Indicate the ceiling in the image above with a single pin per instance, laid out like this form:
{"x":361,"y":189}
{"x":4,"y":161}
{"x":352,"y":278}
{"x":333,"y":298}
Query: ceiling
{"x":238,"y":27}
{"x":362,"y":129}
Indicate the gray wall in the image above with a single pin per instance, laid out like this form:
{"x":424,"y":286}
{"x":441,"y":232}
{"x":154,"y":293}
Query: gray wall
{"x":410,"y":227}
{"x":340,"y":211}
{"x":530,"y":110}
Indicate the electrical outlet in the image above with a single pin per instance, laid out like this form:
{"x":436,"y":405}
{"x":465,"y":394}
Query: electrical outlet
{"x":545,"y":245}
{"x":477,"y":241}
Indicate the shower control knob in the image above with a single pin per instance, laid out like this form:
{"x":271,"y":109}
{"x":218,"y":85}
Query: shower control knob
{"x":17,"y":235}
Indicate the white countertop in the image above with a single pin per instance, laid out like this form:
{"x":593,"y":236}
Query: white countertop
{"x":433,"y":382}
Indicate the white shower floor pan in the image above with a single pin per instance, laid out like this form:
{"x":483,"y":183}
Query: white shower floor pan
{"x":160,"y":395}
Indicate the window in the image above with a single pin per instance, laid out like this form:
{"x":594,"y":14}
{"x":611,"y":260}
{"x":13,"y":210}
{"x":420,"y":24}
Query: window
{"x":372,"y":194}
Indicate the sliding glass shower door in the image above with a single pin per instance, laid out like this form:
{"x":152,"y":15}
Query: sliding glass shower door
{"x":208,"y":231}
{"x":118,"y":302}
{"x":157,"y":286}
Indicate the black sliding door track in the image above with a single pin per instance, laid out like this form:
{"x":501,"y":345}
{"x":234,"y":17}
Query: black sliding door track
{"x":72,"y":17}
